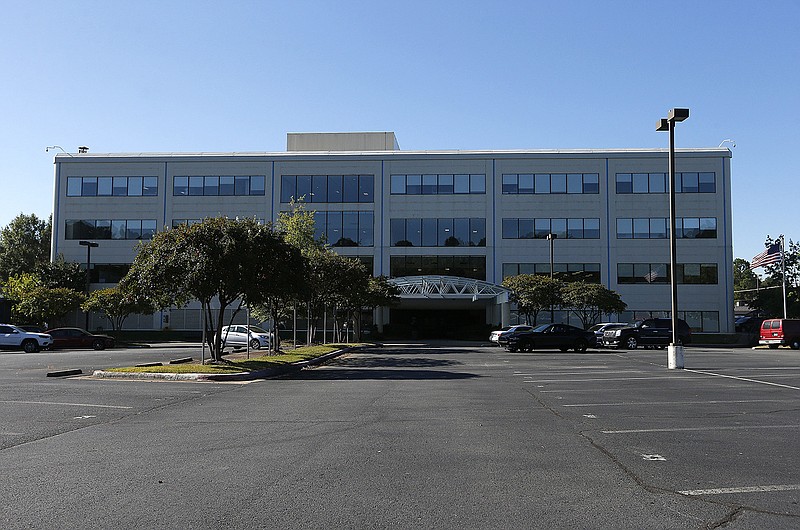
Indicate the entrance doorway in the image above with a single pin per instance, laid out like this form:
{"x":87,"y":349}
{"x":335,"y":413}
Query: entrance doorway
{"x":454,"y":324}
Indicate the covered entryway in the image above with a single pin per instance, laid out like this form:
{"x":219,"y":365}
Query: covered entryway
{"x":451,"y":307}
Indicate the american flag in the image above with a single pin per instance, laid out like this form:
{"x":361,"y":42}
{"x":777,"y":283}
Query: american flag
{"x":768,"y":257}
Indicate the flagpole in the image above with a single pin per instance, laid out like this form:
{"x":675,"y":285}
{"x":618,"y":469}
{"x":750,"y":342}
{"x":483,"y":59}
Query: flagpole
{"x":783,"y":276}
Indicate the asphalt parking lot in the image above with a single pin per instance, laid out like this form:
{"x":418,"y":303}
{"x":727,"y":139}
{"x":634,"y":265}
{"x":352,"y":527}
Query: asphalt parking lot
{"x":415,"y":435}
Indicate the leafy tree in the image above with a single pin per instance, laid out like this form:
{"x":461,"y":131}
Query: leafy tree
{"x":533,"y":293}
{"x":37,"y":304}
{"x":117,"y":303}
{"x":770,"y":296}
{"x":24,"y":245}
{"x":231,"y":261}
{"x":590,"y":301}
{"x":62,"y":273}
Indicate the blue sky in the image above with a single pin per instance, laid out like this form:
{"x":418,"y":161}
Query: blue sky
{"x":169,"y":76}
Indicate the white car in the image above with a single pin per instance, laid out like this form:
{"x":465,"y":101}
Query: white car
{"x":237,"y":336}
{"x":500,"y":336}
{"x":16,"y":338}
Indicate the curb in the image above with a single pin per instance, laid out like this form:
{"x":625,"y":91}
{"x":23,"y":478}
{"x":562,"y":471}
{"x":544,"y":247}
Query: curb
{"x":240,"y":376}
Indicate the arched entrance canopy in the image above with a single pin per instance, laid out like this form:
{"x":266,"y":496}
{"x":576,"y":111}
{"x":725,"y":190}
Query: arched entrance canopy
{"x":449,"y":288}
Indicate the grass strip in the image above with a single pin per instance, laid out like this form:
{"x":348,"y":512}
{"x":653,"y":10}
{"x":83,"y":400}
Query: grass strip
{"x":234,"y":366}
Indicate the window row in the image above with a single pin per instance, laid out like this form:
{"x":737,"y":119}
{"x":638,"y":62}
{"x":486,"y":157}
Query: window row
{"x":699,"y":321}
{"x":112,"y":186}
{"x":214,"y":185}
{"x":177,"y":222}
{"x":110,"y":228}
{"x":465,"y":266}
{"x":588,"y":272}
{"x":544,"y":183}
{"x":345,"y":229}
{"x":108,"y":272}
{"x":447,"y":232}
{"x":438,"y":184}
{"x":659,"y":182}
{"x":657,"y":228}
{"x":658,"y":273}
{"x":327,"y":188}
{"x":562,"y":228}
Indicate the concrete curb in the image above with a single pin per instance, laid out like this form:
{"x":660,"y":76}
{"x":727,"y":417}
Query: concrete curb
{"x":240,"y":376}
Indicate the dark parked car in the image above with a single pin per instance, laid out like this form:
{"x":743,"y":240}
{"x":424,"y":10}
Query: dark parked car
{"x":552,"y":336}
{"x":650,"y":333}
{"x":79,"y":338}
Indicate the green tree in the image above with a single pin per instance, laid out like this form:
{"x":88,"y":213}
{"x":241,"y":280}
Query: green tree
{"x":37,"y":304}
{"x":117,"y":304}
{"x":590,"y":301}
{"x":24,"y":245}
{"x":62,"y":273}
{"x":533,"y":293}
{"x":770,"y":294}
{"x":233,"y":262}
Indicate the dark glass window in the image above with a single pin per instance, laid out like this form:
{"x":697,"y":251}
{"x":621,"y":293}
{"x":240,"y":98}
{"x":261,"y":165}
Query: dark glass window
{"x":335,"y":188}
{"x":641,"y":182}
{"x":257,"y":185}
{"x":558,"y":183}
{"x":526,"y":229}
{"x":398,"y":185}
{"x":150,"y":186}
{"x":510,"y":228}
{"x":689,"y":183}
{"x":429,"y":184}
{"x":624,"y":228}
{"x":574,"y":183}
{"x":624,"y":183}
{"x":477,"y":235}
{"x":210,"y":186}
{"x":319,"y":188}
{"x":591,"y":183}
{"x":226,"y":186}
{"x":542,"y":183}
{"x":366,"y":186}
{"x":89,"y":188}
{"x":135,"y":186}
{"x":350,"y":188}
{"x":429,"y":232}
{"x":104,"y":186}
{"x":195,"y":185}
{"x":461,"y":184}
{"x":477,"y":184}
{"x":414,"y":232}
{"x":288,"y":188}
{"x":707,"y":183}
{"x":366,"y":228}
{"x":446,"y":235}
{"x":414,"y":184}
{"x":510,"y":184}
{"x":445,"y":185}
{"x":121,"y":186}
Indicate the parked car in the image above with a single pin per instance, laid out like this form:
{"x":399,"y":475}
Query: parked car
{"x":599,"y":329}
{"x":781,"y":331}
{"x":12,"y":337}
{"x":494,"y":336}
{"x":650,"y":333}
{"x":238,"y":336}
{"x":80,"y":338}
{"x":552,"y":336}
{"x":502,"y":335}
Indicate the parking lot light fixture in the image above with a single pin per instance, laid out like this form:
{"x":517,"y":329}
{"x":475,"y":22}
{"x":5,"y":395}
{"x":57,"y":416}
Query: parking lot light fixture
{"x":675,"y":351}
{"x":89,"y":246}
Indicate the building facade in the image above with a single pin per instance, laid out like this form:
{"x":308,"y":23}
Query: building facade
{"x":447,"y":225}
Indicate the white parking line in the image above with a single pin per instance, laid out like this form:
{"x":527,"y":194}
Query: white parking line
{"x":743,"y":379}
{"x":66,"y":404}
{"x":746,"y":489}
{"x":603,"y":379}
{"x":689,"y":429}
{"x":711,"y":402}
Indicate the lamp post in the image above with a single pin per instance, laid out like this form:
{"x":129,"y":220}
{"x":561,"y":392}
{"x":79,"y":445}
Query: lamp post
{"x":551,"y":237}
{"x":89,"y":246}
{"x":675,"y":351}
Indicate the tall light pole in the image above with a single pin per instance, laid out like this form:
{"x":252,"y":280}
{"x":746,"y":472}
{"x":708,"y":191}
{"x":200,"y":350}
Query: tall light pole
{"x":551,"y":237}
{"x":675,"y":351}
{"x":89,"y":246}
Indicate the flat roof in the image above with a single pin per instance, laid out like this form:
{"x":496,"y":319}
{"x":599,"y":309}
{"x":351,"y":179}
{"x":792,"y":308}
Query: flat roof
{"x":400,"y":154}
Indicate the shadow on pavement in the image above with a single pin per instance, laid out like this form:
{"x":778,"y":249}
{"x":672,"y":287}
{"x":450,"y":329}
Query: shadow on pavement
{"x":331,"y":372}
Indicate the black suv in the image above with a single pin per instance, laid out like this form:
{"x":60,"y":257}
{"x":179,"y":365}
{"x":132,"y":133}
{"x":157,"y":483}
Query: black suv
{"x":651,"y":333}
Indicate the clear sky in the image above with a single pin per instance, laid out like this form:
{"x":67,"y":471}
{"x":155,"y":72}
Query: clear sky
{"x":166,"y":76}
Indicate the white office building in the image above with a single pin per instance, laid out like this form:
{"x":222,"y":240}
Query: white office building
{"x":448,"y":226}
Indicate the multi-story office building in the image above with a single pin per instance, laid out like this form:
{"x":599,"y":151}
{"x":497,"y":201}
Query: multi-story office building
{"x":447,"y":225}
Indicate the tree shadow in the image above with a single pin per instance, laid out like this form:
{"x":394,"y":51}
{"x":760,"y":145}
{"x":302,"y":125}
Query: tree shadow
{"x":330,"y":372}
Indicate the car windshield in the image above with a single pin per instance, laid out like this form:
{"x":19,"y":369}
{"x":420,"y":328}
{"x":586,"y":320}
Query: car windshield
{"x":256,"y":329}
{"x":596,"y":327}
